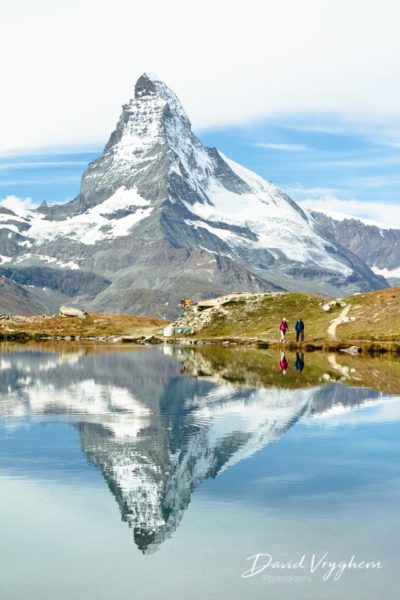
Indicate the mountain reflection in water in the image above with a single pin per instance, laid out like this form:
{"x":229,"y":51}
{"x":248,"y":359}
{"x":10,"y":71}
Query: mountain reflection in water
{"x":159,"y":421}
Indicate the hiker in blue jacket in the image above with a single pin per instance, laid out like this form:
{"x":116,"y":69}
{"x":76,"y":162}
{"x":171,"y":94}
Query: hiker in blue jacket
{"x":299,"y":328}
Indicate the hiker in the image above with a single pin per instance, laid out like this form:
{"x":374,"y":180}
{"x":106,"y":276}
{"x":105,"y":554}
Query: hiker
{"x":283,"y":328}
{"x":299,"y":363}
{"x":184,"y":304}
{"x":283,"y":363}
{"x":299,"y":329}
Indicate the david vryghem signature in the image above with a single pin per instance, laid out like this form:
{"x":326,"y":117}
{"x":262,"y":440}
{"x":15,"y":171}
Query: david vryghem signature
{"x":312,"y":564}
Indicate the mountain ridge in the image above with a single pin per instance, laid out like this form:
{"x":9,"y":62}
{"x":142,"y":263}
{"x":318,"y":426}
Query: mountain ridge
{"x":378,"y":245}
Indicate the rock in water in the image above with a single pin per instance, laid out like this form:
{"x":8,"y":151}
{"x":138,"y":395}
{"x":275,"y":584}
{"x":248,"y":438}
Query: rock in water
{"x":354,"y":350}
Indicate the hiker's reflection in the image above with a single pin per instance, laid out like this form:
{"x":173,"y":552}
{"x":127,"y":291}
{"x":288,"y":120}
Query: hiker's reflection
{"x":283,"y":363}
{"x":299,"y":362}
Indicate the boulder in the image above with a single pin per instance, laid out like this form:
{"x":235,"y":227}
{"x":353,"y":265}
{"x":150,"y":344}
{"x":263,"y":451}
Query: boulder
{"x":211,"y":303}
{"x":334,"y":303}
{"x":70,"y":311}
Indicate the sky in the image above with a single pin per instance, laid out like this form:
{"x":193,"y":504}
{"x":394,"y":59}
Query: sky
{"x":307,"y":93}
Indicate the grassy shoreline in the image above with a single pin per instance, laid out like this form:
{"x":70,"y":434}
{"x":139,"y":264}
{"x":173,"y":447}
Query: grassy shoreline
{"x":370,"y":321}
{"x":368,"y":347}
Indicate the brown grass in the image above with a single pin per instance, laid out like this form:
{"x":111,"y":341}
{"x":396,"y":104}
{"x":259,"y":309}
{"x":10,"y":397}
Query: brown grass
{"x":94,"y":325}
{"x":377,"y":317}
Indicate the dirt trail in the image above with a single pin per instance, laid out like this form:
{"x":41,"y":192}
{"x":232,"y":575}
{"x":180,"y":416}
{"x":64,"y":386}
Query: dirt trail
{"x":332,"y":327}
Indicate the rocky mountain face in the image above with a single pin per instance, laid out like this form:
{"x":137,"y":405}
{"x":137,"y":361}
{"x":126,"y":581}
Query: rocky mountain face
{"x":160,"y":216}
{"x":377,"y":246}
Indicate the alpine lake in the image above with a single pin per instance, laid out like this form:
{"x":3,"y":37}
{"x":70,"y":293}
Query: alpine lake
{"x":197,"y":472}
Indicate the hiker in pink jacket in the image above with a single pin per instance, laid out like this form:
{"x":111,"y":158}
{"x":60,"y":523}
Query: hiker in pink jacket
{"x":283,"y":328}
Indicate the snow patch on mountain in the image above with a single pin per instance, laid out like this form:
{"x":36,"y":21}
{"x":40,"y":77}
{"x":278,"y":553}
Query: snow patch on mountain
{"x":6,"y":217}
{"x":5,"y":259}
{"x":94,"y":225}
{"x":278,"y":224}
{"x":50,"y":260}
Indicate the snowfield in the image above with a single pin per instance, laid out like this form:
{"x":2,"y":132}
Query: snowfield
{"x":90,"y":227}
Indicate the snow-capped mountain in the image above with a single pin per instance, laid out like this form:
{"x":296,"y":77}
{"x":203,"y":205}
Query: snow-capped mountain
{"x":377,"y":244}
{"x":160,"y":216}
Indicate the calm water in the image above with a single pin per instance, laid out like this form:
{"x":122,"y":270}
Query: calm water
{"x":156,"y":473}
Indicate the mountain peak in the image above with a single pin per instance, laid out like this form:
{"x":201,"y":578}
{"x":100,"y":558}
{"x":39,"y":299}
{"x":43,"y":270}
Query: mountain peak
{"x":146,"y":85}
{"x":149,"y":87}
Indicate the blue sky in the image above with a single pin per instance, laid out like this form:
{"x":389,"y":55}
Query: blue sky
{"x":305,"y":93}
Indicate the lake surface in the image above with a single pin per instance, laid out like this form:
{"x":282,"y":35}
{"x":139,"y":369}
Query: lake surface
{"x":156,"y":473}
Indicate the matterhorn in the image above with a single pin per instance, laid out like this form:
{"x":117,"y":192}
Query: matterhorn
{"x":160,"y":216}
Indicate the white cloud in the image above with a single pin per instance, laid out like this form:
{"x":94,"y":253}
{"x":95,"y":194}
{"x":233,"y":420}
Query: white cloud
{"x":17,"y":204}
{"x":385,"y":132}
{"x":70,"y":65}
{"x":283,"y":147}
{"x":41,"y":164}
{"x":54,"y":151}
{"x":299,"y":192}
{"x":369,"y":182}
{"x":354,"y":163}
{"x":46,"y":181}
